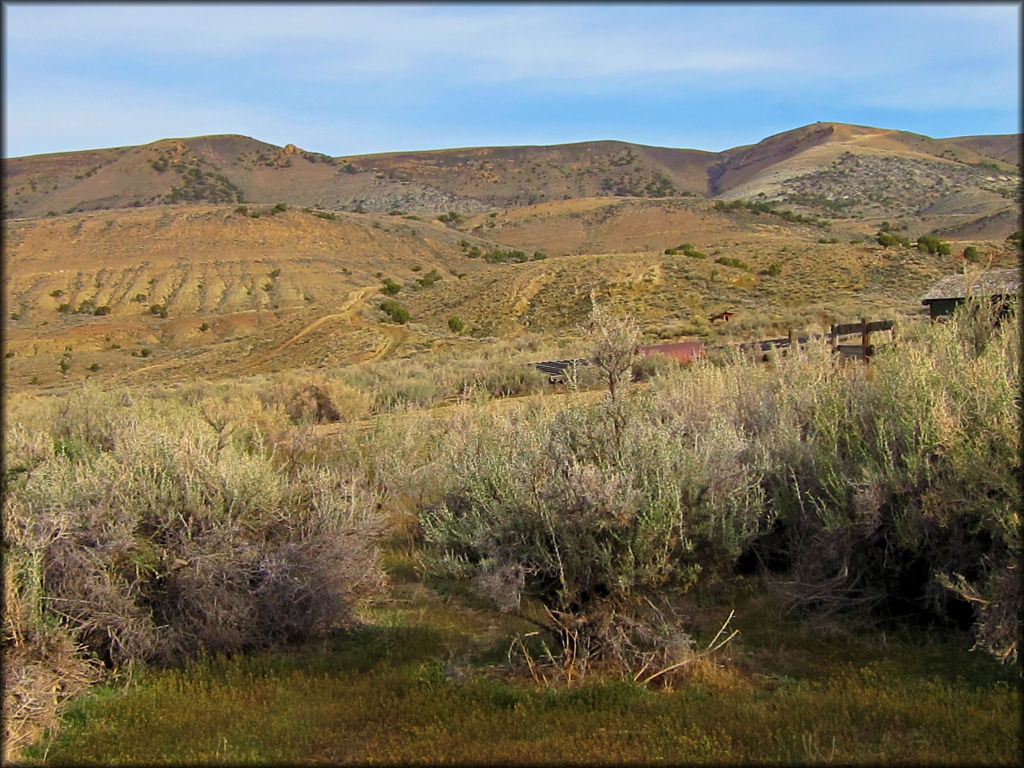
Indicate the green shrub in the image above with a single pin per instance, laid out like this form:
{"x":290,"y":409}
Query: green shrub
{"x":649,"y":366}
{"x":598,"y":513}
{"x":429,"y":279}
{"x":390,"y":287}
{"x":933,"y":245}
{"x":900,"y":491}
{"x":455,"y":324}
{"x":889,"y":490}
{"x":971,"y":254}
{"x":729,"y":261}
{"x":395,"y":311}
{"x":452,"y":218}
{"x":510,"y":379}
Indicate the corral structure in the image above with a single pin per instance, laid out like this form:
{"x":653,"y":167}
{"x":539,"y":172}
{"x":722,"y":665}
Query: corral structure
{"x":1001,"y":285}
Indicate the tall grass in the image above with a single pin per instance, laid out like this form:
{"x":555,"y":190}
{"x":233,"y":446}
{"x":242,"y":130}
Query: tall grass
{"x":161,"y":526}
{"x":136,"y":529}
{"x":498,"y":370}
{"x":892,"y":487}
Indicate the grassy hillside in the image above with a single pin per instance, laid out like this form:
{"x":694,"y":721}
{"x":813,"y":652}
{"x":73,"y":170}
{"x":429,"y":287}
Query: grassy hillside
{"x":172,"y":292}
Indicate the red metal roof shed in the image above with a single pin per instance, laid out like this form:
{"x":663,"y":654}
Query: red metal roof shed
{"x":683,"y":351}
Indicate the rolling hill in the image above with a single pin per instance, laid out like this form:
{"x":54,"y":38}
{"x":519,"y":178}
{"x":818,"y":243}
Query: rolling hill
{"x":223,"y":256}
{"x":236,"y":169}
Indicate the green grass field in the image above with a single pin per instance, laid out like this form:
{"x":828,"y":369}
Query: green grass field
{"x":415,"y":685}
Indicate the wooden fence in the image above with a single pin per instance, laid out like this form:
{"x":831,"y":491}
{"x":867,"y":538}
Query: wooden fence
{"x":837,"y":334}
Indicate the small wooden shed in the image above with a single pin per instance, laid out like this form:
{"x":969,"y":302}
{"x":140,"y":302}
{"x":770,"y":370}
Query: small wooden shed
{"x":950,"y":292}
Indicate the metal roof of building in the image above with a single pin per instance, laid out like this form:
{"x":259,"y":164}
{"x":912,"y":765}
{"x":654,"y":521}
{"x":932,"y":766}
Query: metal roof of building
{"x":995,"y":282}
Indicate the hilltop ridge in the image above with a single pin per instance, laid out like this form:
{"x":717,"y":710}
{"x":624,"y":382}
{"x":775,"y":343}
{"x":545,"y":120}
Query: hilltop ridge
{"x":238,"y":169}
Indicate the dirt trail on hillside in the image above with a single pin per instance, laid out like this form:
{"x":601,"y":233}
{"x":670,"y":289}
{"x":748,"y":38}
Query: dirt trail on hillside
{"x":395,"y":336}
{"x":523,"y":297}
{"x":346,"y":312}
{"x":391,"y":338}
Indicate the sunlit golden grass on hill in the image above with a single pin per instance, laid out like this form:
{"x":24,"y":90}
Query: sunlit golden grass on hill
{"x":170,"y":294}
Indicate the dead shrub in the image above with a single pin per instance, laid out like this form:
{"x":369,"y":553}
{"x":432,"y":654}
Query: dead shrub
{"x":43,"y":665}
{"x":315,"y":398}
{"x":166,"y":540}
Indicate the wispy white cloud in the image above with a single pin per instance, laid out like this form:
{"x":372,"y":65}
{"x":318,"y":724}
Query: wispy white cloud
{"x":419,"y":70}
{"x":493,"y":42}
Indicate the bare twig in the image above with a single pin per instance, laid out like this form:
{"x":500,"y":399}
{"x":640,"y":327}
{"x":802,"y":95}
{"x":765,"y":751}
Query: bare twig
{"x":712,"y":647}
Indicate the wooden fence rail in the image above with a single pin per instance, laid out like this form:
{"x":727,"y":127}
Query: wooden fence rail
{"x":860,"y":351}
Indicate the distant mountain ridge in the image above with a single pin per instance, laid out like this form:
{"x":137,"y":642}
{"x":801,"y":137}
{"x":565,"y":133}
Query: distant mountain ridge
{"x":809,"y":167}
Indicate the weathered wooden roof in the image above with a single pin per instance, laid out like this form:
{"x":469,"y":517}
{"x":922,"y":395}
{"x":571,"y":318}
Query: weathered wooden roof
{"x":994,"y":282}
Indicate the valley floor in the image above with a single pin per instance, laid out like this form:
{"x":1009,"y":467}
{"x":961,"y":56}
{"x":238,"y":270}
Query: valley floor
{"x":427,"y":680}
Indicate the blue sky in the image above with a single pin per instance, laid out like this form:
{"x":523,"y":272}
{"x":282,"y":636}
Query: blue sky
{"x":349,"y":78}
